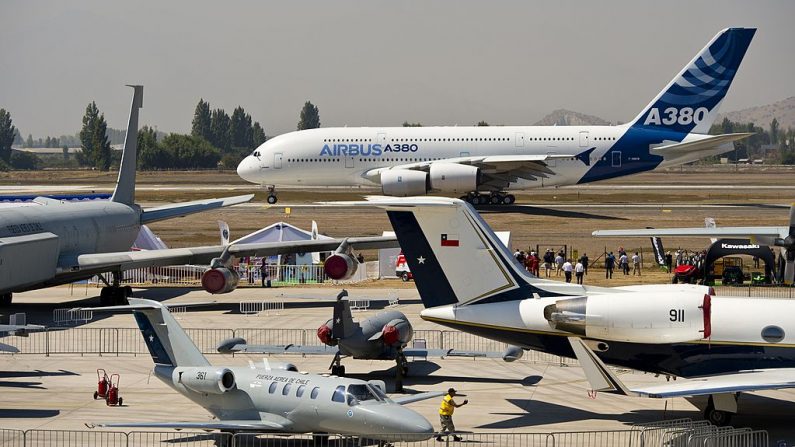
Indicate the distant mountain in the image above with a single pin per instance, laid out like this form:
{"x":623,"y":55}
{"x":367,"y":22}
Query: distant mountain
{"x":783,"y":111}
{"x":563,"y":117}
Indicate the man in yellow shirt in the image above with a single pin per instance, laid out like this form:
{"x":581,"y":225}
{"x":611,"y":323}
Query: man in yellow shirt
{"x":446,"y":410}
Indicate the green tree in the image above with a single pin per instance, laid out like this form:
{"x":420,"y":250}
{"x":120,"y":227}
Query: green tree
{"x":151,"y":155}
{"x":202,"y":121}
{"x":310,"y":117}
{"x":482,"y":124}
{"x":189,"y":152}
{"x":774,"y":128}
{"x":18,"y":138}
{"x":240,"y":132}
{"x":258,"y":134}
{"x":94,"y":140}
{"x":408,"y":124}
{"x":29,"y":141}
{"x":65,"y":150}
{"x":7,"y":133}
{"x":219,"y":125}
{"x":24,"y":160}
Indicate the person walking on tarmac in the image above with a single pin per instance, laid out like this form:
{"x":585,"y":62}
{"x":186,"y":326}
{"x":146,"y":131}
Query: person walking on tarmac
{"x":446,"y":410}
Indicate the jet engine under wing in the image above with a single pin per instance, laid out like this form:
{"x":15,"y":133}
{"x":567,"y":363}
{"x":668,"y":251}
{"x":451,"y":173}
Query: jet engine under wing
{"x":203,"y":255}
{"x":708,"y":143}
{"x":502,"y":169}
{"x":183,"y":209}
{"x":740,"y":232}
{"x":255,"y":425}
{"x":601,"y":378}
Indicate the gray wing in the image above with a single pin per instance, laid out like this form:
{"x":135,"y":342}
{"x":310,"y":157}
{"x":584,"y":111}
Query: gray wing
{"x":203,"y":255}
{"x":281,"y":349}
{"x":210,"y":425}
{"x":417,"y":352}
{"x":403,"y":400}
{"x":183,"y":209}
{"x":742,"y":232}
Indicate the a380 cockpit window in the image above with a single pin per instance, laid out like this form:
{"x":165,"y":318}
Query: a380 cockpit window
{"x":361,"y":393}
{"x":256,"y":154}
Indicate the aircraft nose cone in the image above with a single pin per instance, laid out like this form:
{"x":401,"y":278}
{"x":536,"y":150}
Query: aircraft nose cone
{"x":406,"y":425}
{"x":246,"y":170}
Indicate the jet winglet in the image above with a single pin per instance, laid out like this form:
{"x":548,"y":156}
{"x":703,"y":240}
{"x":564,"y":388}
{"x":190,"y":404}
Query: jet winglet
{"x":597,"y":373}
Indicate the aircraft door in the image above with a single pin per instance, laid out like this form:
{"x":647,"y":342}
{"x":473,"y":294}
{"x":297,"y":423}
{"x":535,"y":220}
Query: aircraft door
{"x":617,"y":159}
{"x":277,"y":160}
{"x":348,"y":162}
{"x":585,"y":140}
{"x":519,"y":139}
{"x":381,"y":139}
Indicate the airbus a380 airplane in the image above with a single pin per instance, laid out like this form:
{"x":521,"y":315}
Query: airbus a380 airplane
{"x":485,"y":162}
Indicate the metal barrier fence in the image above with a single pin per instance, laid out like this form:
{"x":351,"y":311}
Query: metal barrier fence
{"x":757,"y":291}
{"x":684,"y":433}
{"x":279,"y":275}
{"x":126,"y":341}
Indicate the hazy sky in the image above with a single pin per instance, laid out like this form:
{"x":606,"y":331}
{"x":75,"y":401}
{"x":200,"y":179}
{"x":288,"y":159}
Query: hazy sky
{"x":370,"y":62}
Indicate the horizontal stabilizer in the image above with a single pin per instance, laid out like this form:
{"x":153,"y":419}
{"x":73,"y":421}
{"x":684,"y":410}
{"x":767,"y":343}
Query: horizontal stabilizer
{"x":209,"y":425}
{"x":185,"y":208}
{"x":709,"y":143}
{"x":8,"y":348}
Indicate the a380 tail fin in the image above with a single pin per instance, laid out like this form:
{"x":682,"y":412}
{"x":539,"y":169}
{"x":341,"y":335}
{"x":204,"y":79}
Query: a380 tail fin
{"x":690,"y":102}
{"x":125,"y":184}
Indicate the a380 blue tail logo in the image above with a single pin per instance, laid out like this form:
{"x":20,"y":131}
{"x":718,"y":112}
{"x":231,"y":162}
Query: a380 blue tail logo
{"x":701,"y":86}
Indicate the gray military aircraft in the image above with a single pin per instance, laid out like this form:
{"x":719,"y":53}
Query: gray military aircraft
{"x":272,"y":396}
{"x":58,"y":242}
{"x":384,"y":336}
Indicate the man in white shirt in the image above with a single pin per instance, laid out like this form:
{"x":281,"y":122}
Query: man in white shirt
{"x":635,"y":264}
{"x":623,"y":263}
{"x":567,"y":269}
{"x":579,"y":271}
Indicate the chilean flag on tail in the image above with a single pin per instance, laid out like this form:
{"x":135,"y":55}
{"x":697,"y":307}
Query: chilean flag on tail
{"x":449,"y":240}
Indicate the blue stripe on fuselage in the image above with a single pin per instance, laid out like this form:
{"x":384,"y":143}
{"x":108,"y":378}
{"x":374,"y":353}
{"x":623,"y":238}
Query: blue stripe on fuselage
{"x":633,"y":150}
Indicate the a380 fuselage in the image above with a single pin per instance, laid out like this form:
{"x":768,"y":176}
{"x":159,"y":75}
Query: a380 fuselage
{"x":347,"y":156}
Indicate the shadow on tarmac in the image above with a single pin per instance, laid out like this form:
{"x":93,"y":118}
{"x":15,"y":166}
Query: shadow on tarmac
{"x":29,"y":413}
{"x":541,"y":211}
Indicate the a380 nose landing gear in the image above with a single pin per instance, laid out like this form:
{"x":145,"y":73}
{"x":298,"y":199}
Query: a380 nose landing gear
{"x":272,"y":199}
{"x":492,"y":198}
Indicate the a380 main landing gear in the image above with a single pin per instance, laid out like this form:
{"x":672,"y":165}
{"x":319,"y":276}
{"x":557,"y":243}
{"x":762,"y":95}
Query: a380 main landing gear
{"x":492,"y":198}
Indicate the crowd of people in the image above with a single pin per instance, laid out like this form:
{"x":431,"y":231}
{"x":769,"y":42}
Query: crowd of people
{"x":553,"y":262}
{"x":622,"y":262}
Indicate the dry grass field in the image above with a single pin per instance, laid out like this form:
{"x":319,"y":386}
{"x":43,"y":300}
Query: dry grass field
{"x":604,"y":205}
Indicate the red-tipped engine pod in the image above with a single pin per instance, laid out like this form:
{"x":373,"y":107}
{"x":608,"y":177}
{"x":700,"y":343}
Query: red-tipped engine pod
{"x":390,"y":335}
{"x":219,"y":280}
{"x":324,"y":334}
{"x":340,"y":266}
